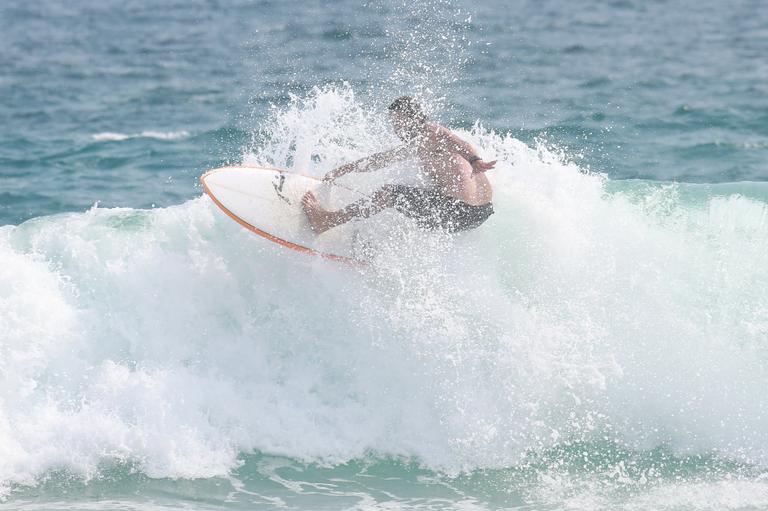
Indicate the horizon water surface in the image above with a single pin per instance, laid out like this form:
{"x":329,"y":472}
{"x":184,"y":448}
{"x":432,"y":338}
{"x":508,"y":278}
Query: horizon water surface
{"x":600,"y":343}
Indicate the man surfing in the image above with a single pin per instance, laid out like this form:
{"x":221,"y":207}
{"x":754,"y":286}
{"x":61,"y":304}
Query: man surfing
{"x":460,"y":200}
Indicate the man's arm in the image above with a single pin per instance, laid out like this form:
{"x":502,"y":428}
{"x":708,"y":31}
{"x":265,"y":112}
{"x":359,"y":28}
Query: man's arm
{"x":450,"y":142}
{"x":369,"y":163}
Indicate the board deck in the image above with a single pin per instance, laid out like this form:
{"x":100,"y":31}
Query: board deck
{"x":267,"y":202}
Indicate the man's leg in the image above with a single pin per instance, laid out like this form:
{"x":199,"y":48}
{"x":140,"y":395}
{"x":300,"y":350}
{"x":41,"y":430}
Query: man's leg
{"x":321,"y":219}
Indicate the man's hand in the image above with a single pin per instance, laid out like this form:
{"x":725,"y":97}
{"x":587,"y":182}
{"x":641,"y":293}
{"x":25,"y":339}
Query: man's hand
{"x":330,"y":176}
{"x":482,"y":166}
{"x":369,"y":163}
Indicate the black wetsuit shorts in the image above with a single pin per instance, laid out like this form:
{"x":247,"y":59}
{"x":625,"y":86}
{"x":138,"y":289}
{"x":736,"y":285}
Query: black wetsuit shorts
{"x":434,"y":210}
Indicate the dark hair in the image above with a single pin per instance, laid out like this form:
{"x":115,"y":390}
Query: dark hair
{"x":410,"y":107}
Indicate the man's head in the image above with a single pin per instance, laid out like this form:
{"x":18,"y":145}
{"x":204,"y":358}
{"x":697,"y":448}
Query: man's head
{"x":407,"y":117}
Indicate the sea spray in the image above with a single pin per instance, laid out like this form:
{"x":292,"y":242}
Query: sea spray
{"x":584,"y":310}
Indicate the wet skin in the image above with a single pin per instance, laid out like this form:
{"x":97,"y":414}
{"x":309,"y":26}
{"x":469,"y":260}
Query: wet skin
{"x":444,"y":158}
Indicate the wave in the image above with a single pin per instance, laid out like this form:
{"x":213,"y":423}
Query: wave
{"x":109,"y":136}
{"x":585,"y":309}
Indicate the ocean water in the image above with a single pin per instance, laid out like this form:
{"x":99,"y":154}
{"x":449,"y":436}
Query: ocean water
{"x":600,"y":343}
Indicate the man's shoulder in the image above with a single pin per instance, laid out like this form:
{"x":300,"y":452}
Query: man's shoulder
{"x":436,"y":131}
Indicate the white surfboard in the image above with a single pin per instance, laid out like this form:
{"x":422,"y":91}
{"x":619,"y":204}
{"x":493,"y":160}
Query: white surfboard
{"x":267,"y":202}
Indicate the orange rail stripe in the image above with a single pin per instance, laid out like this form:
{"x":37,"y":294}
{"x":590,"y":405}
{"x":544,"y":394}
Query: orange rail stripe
{"x":266,"y":235}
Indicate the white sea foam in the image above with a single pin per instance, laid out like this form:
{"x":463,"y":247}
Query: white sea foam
{"x":109,"y":136}
{"x":175,"y":339}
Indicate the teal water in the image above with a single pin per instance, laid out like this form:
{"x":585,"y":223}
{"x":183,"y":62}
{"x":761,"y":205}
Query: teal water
{"x":271,"y":482}
{"x":600,"y":343}
{"x":668,"y":91}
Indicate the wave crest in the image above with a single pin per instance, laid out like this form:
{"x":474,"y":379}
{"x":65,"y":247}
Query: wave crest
{"x":583,"y":309}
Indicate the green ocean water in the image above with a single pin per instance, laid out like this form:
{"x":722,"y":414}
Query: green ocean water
{"x":262,"y":482}
{"x":600,"y":343}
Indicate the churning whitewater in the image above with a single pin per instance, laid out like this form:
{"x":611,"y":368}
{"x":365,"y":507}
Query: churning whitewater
{"x":584,"y":310}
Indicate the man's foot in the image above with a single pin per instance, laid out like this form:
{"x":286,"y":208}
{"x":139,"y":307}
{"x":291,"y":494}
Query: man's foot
{"x":319,"y":219}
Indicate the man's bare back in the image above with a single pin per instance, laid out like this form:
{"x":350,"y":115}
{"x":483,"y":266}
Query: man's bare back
{"x":444,"y":159}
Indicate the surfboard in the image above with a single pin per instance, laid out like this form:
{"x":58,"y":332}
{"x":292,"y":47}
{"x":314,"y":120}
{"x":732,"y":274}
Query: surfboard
{"x":267,"y":202}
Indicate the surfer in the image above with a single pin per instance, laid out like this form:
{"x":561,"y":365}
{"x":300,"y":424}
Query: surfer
{"x":460,"y":200}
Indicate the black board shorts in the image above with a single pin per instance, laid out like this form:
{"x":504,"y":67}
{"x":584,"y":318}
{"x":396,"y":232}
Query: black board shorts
{"x":434,"y":210}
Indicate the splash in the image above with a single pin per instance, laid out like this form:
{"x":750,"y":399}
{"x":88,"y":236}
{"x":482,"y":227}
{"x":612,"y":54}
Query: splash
{"x":583,"y":310}
{"x":109,"y":136}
